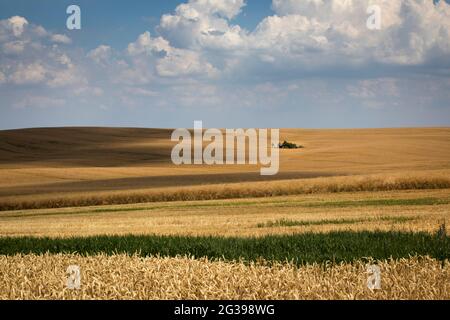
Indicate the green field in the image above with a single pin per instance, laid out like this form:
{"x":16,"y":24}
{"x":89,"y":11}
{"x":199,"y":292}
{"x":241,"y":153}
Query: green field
{"x":300,"y":248}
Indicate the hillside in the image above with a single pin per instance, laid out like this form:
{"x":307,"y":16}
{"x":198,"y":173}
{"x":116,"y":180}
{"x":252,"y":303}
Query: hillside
{"x":51,"y":162}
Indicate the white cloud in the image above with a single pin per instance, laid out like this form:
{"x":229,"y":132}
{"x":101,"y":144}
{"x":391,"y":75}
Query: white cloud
{"x":14,"y":47}
{"x":204,"y":23}
{"x":101,"y":54}
{"x":40,"y":31}
{"x":29,"y":56}
{"x":170,"y":61}
{"x":64,"y":60}
{"x":64,"y":72}
{"x":194,"y":9}
{"x":374,"y":88}
{"x":201,"y":39}
{"x":61,"y":38}
{"x":199,"y":55}
{"x":183,"y":63}
{"x":145,"y":44}
{"x":411,"y":30}
{"x":17,"y":25}
{"x":336,"y":12}
{"x":135,"y":73}
{"x":29,"y":74}
{"x":62,"y":78}
{"x":224,"y":8}
{"x":308,"y":35}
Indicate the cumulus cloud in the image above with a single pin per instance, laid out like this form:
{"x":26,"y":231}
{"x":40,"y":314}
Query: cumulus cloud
{"x":40,"y":31}
{"x":308,"y":36}
{"x":201,"y":39}
{"x":145,"y":44}
{"x":65,"y":78}
{"x":61,"y":38}
{"x":28,"y":74}
{"x":373,"y":88}
{"x":101,"y":54}
{"x":200,"y":55}
{"x":411,"y":30}
{"x":30,"y":56}
{"x":204,"y":23}
{"x":17,"y":25}
{"x":182,"y":63}
{"x":170,"y":61}
{"x":14,"y":47}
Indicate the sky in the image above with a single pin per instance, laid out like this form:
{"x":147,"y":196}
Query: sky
{"x":229,"y":63}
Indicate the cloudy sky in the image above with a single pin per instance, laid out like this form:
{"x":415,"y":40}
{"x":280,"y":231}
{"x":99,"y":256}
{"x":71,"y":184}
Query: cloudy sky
{"x":230,"y":63}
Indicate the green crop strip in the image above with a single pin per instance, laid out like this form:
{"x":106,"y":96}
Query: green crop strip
{"x":306,"y":223}
{"x":299,"y":248}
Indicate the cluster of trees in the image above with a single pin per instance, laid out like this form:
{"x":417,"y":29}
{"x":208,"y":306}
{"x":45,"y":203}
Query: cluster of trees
{"x":289,"y":145}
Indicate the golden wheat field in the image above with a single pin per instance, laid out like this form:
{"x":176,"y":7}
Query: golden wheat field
{"x":414,"y":210}
{"x":132,"y":277}
{"x":94,"y":166}
{"x":72,"y":182}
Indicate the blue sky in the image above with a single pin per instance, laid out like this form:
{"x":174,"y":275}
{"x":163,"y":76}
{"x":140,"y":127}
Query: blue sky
{"x":114,"y":22}
{"x":230,"y":63}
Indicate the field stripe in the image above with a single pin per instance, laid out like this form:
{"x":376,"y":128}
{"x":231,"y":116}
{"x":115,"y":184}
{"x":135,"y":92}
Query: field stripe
{"x":234,"y":191}
{"x":277,"y":203}
{"x":305,"y":223}
{"x":299,"y":248}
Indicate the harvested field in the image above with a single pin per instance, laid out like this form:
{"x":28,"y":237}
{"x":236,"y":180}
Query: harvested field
{"x":61,"y":167}
{"x":413,"y":210}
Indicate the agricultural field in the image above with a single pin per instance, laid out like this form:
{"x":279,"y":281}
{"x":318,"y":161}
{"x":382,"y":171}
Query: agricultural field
{"x":132,"y":277}
{"x":110,"y":201}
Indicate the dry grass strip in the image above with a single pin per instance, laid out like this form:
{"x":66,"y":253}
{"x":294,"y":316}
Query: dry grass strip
{"x":376,"y":182}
